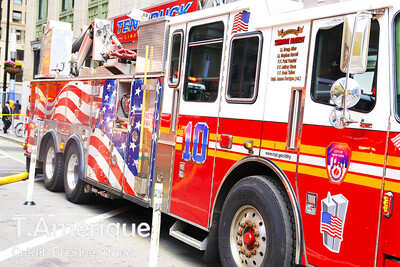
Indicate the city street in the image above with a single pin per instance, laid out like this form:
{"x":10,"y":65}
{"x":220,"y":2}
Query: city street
{"x":12,"y":159}
{"x":56,"y":232}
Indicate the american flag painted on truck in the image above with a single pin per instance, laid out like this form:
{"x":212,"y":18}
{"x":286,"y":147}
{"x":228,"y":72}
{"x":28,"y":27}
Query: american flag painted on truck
{"x":107,"y":148}
{"x":71,"y":104}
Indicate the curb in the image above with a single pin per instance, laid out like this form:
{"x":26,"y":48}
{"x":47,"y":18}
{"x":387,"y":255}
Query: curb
{"x":13,"y":178}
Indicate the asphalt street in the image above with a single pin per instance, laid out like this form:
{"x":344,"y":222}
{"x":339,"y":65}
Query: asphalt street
{"x":55,"y":232}
{"x":12,"y":159}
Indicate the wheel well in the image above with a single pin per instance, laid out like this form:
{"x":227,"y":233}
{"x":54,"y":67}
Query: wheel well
{"x":246,"y":169}
{"x":74,"y":139}
{"x":49,"y":135}
{"x":71,"y":141}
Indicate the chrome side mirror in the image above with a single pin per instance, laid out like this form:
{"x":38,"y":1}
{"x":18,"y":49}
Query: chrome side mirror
{"x":355,"y":41}
{"x":346,"y":92}
{"x":343,"y":100}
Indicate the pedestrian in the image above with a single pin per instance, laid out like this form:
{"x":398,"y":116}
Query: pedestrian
{"x":6,"y":112}
{"x":17,"y":109}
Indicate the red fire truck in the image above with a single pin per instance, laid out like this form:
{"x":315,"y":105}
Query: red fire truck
{"x":274,"y":127}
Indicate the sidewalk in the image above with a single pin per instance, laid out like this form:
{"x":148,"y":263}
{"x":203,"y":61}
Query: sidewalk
{"x":11,"y":136}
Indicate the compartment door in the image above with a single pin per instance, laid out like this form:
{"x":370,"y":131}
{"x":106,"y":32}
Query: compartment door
{"x":99,"y":159}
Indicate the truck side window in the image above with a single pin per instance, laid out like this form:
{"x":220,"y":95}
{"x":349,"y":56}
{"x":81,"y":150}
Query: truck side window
{"x":326,"y":69}
{"x":243,"y":68}
{"x":203,"y":62}
{"x":175,"y":63}
{"x":397,"y":47}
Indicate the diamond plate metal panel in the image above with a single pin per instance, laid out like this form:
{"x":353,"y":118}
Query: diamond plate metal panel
{"x":153,"y":33}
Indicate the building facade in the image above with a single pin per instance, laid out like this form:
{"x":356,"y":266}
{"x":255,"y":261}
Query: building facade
{"x":17,"y":21}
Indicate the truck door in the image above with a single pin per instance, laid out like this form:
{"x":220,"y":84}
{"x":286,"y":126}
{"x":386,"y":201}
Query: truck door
{"x":389,"y":244}
{"x":197,"y":120}
{"x":340,"y":170}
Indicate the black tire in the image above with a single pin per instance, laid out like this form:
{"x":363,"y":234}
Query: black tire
{"x":53,"y":168}
{"x":28,"y":164}
{"x":256,"y":210}
{"x":38,"y":170}
{"x":73,"y":175}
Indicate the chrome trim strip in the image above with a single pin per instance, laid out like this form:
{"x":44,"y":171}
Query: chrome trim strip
{"x":206,"y":42}
{"x":168,"y":143}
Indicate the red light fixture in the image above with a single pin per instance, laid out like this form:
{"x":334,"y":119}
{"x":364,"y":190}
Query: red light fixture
{"x":387,"y":204}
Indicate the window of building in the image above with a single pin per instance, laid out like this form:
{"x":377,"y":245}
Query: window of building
{"x":176,"y":54}
{"x":19,"y":36}
{"x":17,"y":16}
{"x":36,"y":61}
{"x":243,"y":68}
{"x":42,"y":9}
{"x":63,"y":5}
{"x":203,"y":62}
{"x":67,"y":4}
{"x":19,"y":76}
{"x":17,"y":1}
{"x":20,"y":54}
{"x":326,"y":69}
{"x":67,"y":12}
{"x":97,"y":9}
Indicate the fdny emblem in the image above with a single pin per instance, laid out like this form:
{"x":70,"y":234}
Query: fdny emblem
{"x":337,"y":162}
{"x":333,"y":216}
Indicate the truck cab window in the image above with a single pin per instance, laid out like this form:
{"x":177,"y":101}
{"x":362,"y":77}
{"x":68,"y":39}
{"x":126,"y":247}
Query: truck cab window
{"x":176,"y":52}
{"x":397,"y":47}
{"x":244,"y":65}
{"x":203,"y":62}
{"x":326,"y":69}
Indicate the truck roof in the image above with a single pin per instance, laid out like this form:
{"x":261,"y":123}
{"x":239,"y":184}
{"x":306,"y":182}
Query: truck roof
{"x":268,"y":13}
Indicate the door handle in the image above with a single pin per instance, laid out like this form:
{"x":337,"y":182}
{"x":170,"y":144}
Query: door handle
{"x":365,"y":125}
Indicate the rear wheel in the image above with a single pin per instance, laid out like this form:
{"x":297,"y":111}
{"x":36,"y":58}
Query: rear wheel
{"x":73,"y":175}
{"x":53,"y":168}
{"x":256,"y":225}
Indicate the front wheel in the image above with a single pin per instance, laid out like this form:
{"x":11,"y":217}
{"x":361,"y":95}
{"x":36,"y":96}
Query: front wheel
{"x":256,"y":225}
{"x":73,"y":175}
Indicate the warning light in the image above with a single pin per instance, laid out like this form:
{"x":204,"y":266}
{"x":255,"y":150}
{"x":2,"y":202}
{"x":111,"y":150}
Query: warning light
{"x":61,"y":146}
{"x":249,"y":146}
{"x":387,"y":204}
{"x":192,"y":79}
{"x":32,"y":125}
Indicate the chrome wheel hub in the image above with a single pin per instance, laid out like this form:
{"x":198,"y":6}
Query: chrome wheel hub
{"x":72,"y":171}
{"x":50,"y":163}
{"x":248,"y":237}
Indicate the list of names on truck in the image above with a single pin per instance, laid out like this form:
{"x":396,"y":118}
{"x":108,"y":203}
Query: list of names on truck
{"x":287,"y":55}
